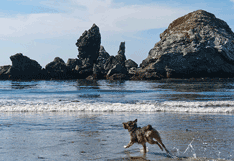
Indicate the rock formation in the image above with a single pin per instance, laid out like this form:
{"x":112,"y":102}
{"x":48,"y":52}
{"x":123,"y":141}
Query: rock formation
{"x":195,"y":45}
{"x":89,"y":44}
{"x":116,"y":64}
{"x":57,"y":69}
{"x":72,"y":63}
{"x":88,"y":47}
{"x":23,"y":68}
{"x":130,"y":64}
{"x":98,"y":68}
{"x":118,"y":68}
{"x":121,"y":54}
{"x":4,"y":69}
{"x":103,"y":55}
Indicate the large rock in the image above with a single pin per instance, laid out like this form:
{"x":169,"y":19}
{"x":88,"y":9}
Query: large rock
{"x":120,"y":58}
{"x":72,"y":63}
{"x":118,"y":68}
{"x":89,"y":44}
{"x":195,"y":45}
{"x":116,"y":64}
{"x":107,"y":65}
{"x":4,"y":69}
{"x":98,"y":67}
{"x":23,"y":68}
{"x":57,"y":68}
{"x":130,"y":64}
{"x":103,"y":55}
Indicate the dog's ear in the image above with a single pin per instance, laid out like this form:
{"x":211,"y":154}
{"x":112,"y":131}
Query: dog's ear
{"x":135,"y":120}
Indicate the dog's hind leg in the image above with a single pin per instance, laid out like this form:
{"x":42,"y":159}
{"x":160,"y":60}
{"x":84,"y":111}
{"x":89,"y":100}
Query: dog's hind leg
{"x":151,"y":141}
{"x":160,"y":141}
{"x":157,"y":137}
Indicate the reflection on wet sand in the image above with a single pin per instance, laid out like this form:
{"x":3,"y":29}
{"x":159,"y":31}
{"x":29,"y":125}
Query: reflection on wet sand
{"x":100,"y":136}
{"x":22,"y":85}
{"x":87,"y":84}
{"x":188,"y":86}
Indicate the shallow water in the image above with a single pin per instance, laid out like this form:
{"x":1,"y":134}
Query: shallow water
{"x":100,"y":136}
{"x":82,"y":120}
{"x":82,"y":95}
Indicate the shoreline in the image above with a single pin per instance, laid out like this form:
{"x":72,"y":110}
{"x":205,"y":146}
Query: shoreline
{"x":192,"y":79}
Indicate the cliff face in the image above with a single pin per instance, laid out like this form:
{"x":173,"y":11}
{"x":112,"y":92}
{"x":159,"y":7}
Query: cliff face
{"x":193,"y":45}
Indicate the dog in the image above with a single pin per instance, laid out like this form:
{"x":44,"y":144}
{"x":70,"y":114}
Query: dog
{"x":142,"y":135}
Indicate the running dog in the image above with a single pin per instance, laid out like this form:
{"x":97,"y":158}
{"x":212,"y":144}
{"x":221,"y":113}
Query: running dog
{"x":142,"y":135}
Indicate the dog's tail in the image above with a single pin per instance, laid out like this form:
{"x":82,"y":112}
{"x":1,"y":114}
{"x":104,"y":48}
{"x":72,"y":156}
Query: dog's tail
{"x":148,"y":127}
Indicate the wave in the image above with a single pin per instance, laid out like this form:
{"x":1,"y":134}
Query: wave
{"x":167,"y":106}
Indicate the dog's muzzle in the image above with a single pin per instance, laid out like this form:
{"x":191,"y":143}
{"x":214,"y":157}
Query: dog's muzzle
{"x":124,"y":126}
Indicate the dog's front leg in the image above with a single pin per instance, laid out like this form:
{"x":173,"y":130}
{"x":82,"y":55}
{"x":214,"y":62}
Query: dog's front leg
{"x":129,"y":144}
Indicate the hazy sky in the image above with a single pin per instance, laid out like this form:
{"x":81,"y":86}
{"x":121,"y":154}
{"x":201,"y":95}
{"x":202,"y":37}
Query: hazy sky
{"x":45,"y":29}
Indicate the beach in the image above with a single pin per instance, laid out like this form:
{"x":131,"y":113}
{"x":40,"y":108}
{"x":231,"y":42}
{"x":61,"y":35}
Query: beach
{"x":101,"y":136}
{"x":82,"y":120}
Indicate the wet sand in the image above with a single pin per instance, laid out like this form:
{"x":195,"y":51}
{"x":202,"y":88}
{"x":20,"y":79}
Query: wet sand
{"x":100,"y":136}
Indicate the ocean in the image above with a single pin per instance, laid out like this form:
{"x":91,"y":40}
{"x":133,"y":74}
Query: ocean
{"x":82,"y":119}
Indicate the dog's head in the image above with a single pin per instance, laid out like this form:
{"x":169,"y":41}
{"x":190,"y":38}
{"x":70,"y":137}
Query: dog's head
{"x":130,"y":125}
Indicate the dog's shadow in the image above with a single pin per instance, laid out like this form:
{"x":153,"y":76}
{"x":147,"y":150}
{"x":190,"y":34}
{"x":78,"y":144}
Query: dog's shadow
{"x":166,"y":155}
{"x":143,"y":156}
{"x":161,"y":154}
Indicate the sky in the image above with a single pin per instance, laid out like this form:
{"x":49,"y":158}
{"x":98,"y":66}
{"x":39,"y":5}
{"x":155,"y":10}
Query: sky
{"x":45,"y":29}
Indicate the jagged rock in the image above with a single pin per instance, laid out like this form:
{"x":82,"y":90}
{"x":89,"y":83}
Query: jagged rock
{"x":110,"y":62}
{"x":77,"y":68}
{"x":118,"y":76}
{"x":91,"y":77}
{"x":195,"y":45}
{"x":85,"y":72}
{"x":103,"y":55}
{"x":73,"y":66}
{"x":121,"y":54}
{"x":4,"y":69}
{"x":89,"y":44}
{"x":98,"y":68}
{"x":122,"y":49}
{"x":132,"y":70}
{"x":98,"y":71}
{"x":130,"y":63}
{"x":23,"y":67}
{"x":118,"y":68}
{"x":72,"y":63}
{"x":57,"y":68}
{"x":119,"y":59}
{"x":144,"y":74}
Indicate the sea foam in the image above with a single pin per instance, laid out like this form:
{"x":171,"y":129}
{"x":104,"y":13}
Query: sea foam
{"x":167,"y":106}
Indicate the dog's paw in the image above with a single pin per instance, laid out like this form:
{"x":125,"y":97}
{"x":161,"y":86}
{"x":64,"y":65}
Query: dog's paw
{"x":142,"y":150}
{"x":125,"y":146}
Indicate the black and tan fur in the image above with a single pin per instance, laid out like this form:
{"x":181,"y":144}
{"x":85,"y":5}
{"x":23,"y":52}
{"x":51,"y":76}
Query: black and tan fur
{"x":142,"y":135}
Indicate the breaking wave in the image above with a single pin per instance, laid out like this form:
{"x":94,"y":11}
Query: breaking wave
{"x":167,"y":106}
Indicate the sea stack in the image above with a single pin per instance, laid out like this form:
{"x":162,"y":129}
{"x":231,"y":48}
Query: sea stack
{"x":89,"y":45}
{"x":195,"y":45}
{"x":23,"y":68}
